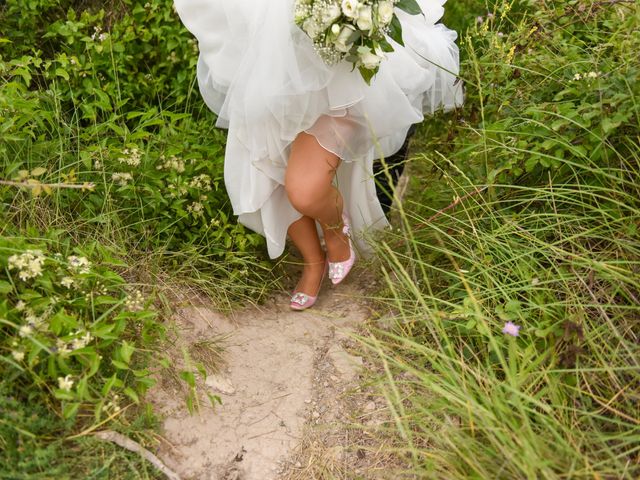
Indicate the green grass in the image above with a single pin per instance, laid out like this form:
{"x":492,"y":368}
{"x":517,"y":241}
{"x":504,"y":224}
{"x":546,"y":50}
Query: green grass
{"x":559,"y":401}
{"x":34,"y":445}
{"x":531,"y":217}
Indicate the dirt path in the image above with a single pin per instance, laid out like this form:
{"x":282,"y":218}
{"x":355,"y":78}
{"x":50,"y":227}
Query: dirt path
{"x":286,"y":372}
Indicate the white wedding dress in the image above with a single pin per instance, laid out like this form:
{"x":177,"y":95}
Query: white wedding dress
{"x":260,"y":74}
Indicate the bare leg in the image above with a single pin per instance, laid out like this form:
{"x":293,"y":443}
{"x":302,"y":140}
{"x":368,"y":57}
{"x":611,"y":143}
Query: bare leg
{"x":308,"y":182}
{"x":304,"y":235}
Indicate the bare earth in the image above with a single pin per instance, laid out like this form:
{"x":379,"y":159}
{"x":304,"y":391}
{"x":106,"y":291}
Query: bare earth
{"x":292,"y":405}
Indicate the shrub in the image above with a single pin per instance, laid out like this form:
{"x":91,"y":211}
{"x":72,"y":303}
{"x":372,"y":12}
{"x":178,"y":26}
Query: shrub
{"x":111,"y":173}
{"x":75,"y":339}
{"x":103,"y":99}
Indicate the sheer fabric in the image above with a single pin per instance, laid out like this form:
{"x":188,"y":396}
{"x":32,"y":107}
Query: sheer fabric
{"x":260,"y":74}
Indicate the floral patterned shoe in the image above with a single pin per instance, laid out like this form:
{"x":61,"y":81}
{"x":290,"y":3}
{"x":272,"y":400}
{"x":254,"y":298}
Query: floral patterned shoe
{"x":339,"y":270}
{"x":302,"y":301}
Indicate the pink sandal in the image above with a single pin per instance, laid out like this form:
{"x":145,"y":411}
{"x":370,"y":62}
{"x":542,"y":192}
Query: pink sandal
{"x":302,"y":301}
{"x":339,"y":270}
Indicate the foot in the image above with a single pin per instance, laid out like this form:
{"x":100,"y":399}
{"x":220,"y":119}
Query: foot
{"x":340,"y":269}
{"x":311,"y":279}
{"x":337,"y":244}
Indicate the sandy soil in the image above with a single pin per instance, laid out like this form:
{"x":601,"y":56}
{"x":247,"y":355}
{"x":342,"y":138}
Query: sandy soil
{"x":292,"y":402}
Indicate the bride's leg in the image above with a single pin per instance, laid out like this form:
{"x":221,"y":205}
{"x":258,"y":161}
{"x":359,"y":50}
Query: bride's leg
{"x":308,"y":183}
{"x":304,"y":235}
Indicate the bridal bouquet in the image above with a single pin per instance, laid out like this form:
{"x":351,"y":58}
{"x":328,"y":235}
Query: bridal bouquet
{"x":353,"y":30}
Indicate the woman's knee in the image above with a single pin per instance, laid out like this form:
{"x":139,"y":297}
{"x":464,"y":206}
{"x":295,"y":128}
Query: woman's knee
{"x":309,"y":175}
{"x":302,"y":197}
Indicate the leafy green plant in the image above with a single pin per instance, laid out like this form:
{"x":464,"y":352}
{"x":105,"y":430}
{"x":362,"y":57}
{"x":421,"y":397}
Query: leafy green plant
{"x":75,"y":341}
{"x":76,"y":108}
{"x":63,"y":322}
{"x":513,"y":353}
{"x":110,"y":180}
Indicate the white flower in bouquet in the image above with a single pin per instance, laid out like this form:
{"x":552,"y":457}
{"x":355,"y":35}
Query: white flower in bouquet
{"x":370,"y":59}
{"x":300,"y":16}
{"x":365,"y":18}
{"x":385,"y":12}
{"x":350,"y":8}
{"x":343,"y":37}
{"x":330,"y":14}
{"x":312,"y":28}
{"x":303,"y":10}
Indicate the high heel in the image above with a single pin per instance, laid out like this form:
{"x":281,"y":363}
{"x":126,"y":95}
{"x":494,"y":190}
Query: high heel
{"x":302,"y":301}
{"x":339,"y":270}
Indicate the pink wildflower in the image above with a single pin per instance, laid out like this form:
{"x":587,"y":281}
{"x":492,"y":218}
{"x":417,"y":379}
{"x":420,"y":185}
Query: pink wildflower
{"x":511,"y":328}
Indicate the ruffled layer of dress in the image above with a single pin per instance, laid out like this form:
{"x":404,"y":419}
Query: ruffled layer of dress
{"x":260,"y":74}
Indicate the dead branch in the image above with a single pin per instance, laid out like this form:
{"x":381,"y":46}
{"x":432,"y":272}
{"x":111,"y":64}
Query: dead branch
{"x":126,"y":442}
{"x":11,"y":183}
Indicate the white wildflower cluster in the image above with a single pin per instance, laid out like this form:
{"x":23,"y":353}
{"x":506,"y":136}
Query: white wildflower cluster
{"x":32,"y":321}
{"x":62,"y":347}
{"x":26,"y":330}
{"x":177,"y":190}
{"x":134,"y":301}
{"x":113,"y":405}
{"x":196,"y":209}
{"x":100,"y":288}
{"x":122,"y":179}
{"x":194,"y":45}
{"x":81,"y":339}
{"x":352,"y":30}
{"x":131,"y":156}
{"x":35,"y":321}
{"x":173,"y":163}
{"x":65,"y":383}
{"x":173,"y":57}
{"x":29,"y":264}
{"x":586,"y":76}
{"x":78,"y":264}
{"x":98,"y":34}
{"x":201,"y":182}
{"x":18,"y":355}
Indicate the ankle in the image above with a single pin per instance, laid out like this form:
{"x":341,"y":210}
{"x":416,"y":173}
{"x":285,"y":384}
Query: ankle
{"x":334,"y":228}
{"x":337,"y":247}
{"x":315,"y":262}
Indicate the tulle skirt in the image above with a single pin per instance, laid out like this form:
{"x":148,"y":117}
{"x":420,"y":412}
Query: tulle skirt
{"x":260,"y":74}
